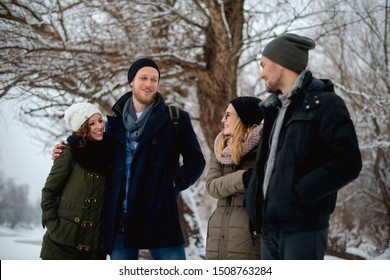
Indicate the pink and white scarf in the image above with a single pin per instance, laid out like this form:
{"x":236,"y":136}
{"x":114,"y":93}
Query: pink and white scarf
{"x":250,"y":143}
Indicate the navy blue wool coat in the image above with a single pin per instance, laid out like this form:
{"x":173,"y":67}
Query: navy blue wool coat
{"x":152,"y":219}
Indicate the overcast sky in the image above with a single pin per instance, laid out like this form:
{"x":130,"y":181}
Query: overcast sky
{"x":21,"y":157}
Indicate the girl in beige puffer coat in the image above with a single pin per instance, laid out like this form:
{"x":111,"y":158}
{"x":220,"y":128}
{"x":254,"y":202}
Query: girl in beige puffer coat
{"x":229,"y":235}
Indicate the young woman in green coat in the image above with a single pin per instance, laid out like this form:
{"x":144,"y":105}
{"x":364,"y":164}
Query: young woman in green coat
{"x":229,"y":235}
{"x":72,"y":197}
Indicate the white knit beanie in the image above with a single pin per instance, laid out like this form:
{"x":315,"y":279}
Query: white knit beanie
{"x":78,"y":113}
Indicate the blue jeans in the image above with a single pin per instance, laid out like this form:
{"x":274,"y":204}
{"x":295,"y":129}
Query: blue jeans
{"x":305,"y":245}
{"x":166,"y":253}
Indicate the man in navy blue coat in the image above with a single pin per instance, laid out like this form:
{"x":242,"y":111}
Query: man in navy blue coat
{"x":140,"y":210}
{"x":308,"y":151}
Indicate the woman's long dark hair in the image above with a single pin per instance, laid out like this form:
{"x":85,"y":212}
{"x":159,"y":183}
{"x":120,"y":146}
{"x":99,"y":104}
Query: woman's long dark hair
{"x":83,"y":132}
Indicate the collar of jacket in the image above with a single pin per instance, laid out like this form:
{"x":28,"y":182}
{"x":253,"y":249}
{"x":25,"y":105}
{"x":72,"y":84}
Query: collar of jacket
{"x":273,"y":100}
{"x":305,"y":90}
{"x":312,"y":96}
{"x":118,"y":106}
{"x":300,"y":84}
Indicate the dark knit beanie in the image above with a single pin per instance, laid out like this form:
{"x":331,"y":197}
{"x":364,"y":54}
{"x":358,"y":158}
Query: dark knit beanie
{"x":247,"y":108}
{"x":138,"y":64}
{"x":289,"y":50}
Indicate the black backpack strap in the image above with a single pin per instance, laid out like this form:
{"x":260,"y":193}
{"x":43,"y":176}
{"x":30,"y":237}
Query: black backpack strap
{"x":174,"y":114}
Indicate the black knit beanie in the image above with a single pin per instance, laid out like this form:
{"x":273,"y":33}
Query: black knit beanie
{"x":138,"y":64}
{"x":289,"y":50}
{"x":247,"y":108}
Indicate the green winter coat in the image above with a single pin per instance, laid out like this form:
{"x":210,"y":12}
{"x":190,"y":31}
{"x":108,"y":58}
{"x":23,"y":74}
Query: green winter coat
{"x":229,"y":235}
{"x":71,"y":211}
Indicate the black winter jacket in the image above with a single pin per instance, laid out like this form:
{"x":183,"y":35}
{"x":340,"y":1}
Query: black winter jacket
{"x":317,"y":154}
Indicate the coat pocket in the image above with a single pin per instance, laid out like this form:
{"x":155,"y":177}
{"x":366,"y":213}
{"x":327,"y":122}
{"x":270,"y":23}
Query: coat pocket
{"x":65,"y":232}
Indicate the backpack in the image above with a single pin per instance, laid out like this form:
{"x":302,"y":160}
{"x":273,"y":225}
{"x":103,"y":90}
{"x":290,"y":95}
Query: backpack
{"x":174,"y":115}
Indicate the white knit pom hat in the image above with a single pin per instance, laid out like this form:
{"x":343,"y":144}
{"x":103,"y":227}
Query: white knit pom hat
{"x":78,"y":113}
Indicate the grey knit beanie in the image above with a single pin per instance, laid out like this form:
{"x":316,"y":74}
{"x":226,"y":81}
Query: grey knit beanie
{"x":290,"y":50}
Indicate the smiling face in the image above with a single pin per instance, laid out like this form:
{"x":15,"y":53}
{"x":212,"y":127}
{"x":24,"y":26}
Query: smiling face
{"x":144,"y":85}
{"x":229,"y":120}
{"x":271,"y":73}
{"x":95,"y":127}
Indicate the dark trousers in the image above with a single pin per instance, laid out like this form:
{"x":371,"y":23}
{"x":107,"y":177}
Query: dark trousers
{"x":304,"y":245}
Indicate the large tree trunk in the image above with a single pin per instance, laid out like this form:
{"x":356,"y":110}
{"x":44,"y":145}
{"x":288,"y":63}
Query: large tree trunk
{"x":217,"y":83}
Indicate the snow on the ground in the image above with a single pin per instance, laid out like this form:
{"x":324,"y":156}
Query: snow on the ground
{"x":25,"y":244}
{"x":20,"y":243}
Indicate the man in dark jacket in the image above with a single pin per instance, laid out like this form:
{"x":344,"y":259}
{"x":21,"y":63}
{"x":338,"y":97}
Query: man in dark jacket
{"x":141,"y":210}
{"x":308,"y":151}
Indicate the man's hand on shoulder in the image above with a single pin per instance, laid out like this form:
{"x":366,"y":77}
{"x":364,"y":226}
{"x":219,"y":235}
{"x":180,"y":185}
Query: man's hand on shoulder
{"x":57,"y":150}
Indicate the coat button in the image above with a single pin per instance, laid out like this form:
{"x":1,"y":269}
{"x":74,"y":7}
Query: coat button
{"x":77,"y":219}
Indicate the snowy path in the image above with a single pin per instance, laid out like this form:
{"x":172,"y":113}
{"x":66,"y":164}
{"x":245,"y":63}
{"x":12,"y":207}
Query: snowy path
{"x":21,"y":244}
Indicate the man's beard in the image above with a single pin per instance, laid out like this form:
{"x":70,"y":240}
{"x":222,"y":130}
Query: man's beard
{"x":273,"y":87}
{"x":144,"y":100}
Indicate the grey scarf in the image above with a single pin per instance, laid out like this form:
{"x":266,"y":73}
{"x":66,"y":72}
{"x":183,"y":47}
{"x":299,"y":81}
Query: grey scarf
{"x":275,"y":137}
{"x":135,"y":126}
{"x":286,"y":100}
